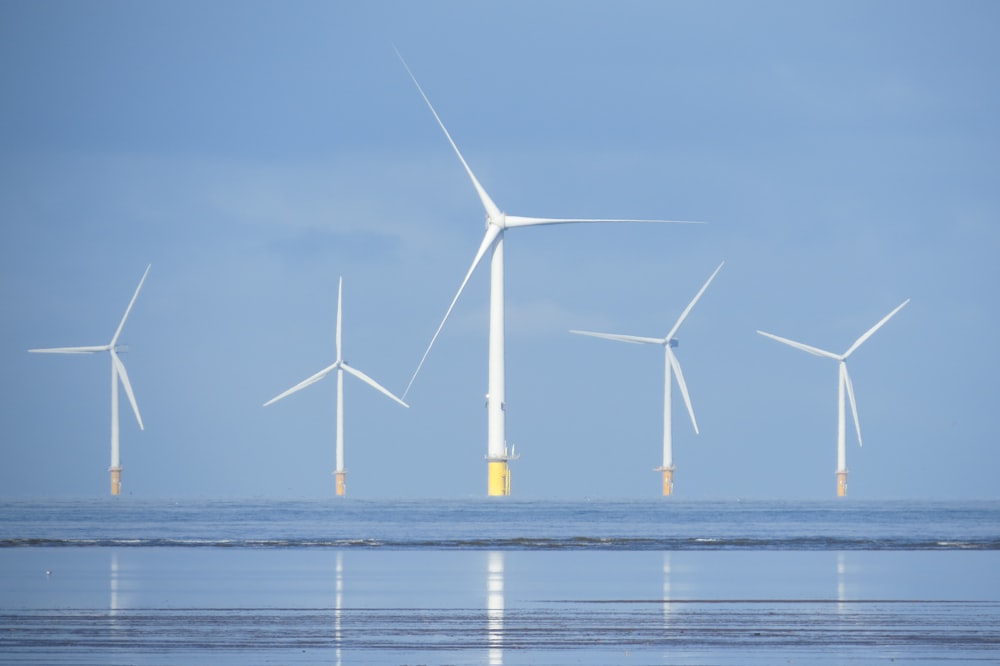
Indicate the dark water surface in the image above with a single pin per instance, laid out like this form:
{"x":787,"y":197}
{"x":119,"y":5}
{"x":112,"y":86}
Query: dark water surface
{"x":479,"y":582}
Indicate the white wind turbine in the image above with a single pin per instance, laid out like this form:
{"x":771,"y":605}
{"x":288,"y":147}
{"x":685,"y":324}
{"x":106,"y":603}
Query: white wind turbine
{"x":843,"y":386}
{"x":341,"y":366}
{"x":497,"y":222}
{"x":671,"y":367}
{"x":117,"y":371}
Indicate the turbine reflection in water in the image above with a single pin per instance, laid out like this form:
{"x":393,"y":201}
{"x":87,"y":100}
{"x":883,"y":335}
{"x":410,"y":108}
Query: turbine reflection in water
{"x":494,"y":606}
{"x":338,"y":600}
{"x":841,"y":583}
{"x":113,"y":585}
{"x":667,"y":606}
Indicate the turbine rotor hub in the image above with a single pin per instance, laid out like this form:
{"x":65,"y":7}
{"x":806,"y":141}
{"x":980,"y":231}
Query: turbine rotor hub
{"x":498,"y":220}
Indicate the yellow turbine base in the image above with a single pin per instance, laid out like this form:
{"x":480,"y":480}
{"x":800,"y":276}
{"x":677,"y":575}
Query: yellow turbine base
{"x":498,"y":478}
{"x":341,"y":482}
{"x":668,"y":480}
{"x":842,"y":483}
{"x":116,"y":480}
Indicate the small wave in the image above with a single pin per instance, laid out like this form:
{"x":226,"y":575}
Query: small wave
{"x":962,"y":545}
{"x":519,"y":543}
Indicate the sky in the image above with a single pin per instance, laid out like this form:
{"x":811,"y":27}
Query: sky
{"x":843,"y":157}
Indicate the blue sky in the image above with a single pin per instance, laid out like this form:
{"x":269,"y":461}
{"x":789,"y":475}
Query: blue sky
{"x":843,"y":154}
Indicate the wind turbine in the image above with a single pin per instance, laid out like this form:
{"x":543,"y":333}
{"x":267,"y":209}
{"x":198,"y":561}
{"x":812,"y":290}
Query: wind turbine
{"x":843,"y":386}
{"x":117,"y":371}
{"x":671,"y":367}
{"x":497,"y":222}
{"x":341,"y":366}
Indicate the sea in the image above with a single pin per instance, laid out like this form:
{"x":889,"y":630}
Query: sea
{"x":499,"y":581}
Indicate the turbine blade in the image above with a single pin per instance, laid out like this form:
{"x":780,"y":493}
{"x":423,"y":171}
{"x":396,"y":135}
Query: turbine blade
{"x":694,"y":300}
{"x":683,"y":386}
{"x":803,"y":347}
{"x":340,"y":293}
{"x":634,"y":339}
{"x":868,"y":334}
{"x":854,"y":406}
{"x":70,"y":350}
{"x":492,"y":233}
{"x":517,"y":221}
{"x":129,"y":308}
{"x":371,"y":382}
{"x":492,"y":211}
{"x":128,"y":386}
{"x":304,"y":383}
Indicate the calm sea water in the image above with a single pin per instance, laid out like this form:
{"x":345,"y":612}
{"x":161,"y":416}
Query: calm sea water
{"x":516,"y":582}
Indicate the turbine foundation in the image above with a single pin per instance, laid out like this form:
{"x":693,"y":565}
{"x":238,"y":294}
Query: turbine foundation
{"x":668,"y":479}
{"x":341,"y":482}
{"x":116,"y":480}
{"x":842,"y":483}
{"x":498,"y":477}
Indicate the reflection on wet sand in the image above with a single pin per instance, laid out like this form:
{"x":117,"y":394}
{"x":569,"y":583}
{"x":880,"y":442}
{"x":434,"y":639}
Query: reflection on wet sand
{"x":113,"y":584}
{"x":494,"y":606}
{"x":269,"y":606}
{"x":668,"y":608}
{"x":338,"y":601}
{"x":841,"y":583}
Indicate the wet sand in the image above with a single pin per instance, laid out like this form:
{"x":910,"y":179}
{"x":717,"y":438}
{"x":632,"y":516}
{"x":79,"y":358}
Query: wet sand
{"x":281,"y":606}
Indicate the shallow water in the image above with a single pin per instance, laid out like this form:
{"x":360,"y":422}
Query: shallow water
{"x":155,"y":601}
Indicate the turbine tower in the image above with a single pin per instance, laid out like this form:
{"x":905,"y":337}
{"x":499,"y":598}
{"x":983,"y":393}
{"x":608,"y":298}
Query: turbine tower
{"x":117,"y":371}
{"x":497,"y":223}
{"x":843,"y":386}
{"x":341,"y":366}
{"x":671,"y":367}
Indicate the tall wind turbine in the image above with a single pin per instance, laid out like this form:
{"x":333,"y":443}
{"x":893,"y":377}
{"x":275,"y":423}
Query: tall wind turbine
{"x":497,"y":222}
{"x":843,"y":386}
{"x":117,"y":371}
{"x":341,"y":366}
{"x":671,"y":367}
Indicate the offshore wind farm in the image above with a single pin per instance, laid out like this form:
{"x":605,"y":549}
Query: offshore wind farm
{"x":838,"y":155}
{"x":498,"y":453}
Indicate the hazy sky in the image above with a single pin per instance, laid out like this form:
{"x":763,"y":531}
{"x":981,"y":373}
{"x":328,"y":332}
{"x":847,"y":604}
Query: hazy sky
{"x":845,"y":156}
